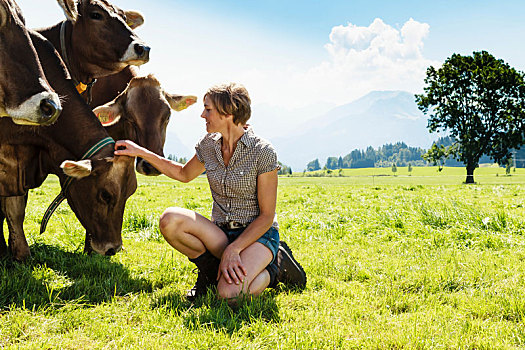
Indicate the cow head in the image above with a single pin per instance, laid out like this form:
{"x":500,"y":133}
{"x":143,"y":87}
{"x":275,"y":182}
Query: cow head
{"x":98,"y":196}
{"x":103,"y":36}
{"x":143,"y":112}
{"x":25,"y":95}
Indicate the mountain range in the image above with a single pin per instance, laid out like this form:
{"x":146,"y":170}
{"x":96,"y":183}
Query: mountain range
{"x":377,"y":118}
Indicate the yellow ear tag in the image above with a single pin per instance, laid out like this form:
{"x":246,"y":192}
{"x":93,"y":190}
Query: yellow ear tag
{"x":81,"y":88}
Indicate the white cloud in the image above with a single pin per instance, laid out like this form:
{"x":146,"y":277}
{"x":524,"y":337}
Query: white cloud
{"x":361,"y":59}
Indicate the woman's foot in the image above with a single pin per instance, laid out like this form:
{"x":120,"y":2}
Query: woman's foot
{"x":208,"y":267}
{"x":285,"y":269}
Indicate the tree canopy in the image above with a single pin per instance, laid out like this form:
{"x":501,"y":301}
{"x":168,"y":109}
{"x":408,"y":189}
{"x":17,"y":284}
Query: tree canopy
{"x":313,"y":165}
{"x":480,"y":101}
{"x":284,"y":170}
{"x":383,"y":156}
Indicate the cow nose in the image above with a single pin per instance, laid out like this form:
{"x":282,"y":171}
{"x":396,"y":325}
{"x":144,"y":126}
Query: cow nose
{"x":111,"y":252}
{"x":146,"y":168}
{"x":142,"y":51}
{"x":49,"y":110}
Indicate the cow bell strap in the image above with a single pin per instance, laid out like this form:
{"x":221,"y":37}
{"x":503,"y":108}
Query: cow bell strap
{"x":80,"y":86}
{"x":62,"y":195}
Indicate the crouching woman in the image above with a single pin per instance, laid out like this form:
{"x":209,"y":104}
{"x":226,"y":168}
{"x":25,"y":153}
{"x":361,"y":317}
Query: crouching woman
{"x":237,"y":250}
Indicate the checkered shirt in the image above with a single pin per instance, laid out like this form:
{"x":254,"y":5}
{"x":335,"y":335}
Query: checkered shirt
{"x":234,"y":188}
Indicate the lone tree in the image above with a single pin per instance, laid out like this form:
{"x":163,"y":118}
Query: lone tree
{"x":394,"y":168}
{"x":480,"y":101}
{"x":438,"y":153}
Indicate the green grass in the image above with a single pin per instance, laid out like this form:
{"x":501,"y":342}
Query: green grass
{"x":419,"y":261}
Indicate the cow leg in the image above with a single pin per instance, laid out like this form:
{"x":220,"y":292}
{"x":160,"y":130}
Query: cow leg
{"x":14,"y":210}
{"x":87,"y":245}
{"x":3,"y":246}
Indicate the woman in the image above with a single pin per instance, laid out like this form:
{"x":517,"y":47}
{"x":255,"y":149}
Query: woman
{"x":239,"y":247}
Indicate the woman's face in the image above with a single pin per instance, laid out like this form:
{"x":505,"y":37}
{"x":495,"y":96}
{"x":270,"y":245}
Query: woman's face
{"x":215,"y":122}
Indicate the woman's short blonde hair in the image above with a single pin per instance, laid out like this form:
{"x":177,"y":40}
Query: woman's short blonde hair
{"x":231,"y":99}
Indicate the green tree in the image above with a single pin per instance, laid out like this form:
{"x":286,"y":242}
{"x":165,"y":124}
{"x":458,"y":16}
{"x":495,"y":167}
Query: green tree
{"x":480,"y":101}
{"x":313,"y":165}
{"x":394,"y":168}
{"x":331,"y":163}
{"x":285,"y":169}
{"x":182,"y":160}
{"x":340,"y":163}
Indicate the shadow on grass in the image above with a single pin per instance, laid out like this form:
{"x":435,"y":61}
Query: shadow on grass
{"x":209,"y":312}
{"x":53,"y":276}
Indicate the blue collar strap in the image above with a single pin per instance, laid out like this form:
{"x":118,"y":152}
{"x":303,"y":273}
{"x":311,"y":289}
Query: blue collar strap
{"x":62,"y":195}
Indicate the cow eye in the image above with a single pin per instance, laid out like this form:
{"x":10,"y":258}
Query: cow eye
{"x":105,"y":196}
{"x":95,"y":15}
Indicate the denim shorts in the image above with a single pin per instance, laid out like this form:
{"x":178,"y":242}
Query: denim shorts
{"x":270,"y":239}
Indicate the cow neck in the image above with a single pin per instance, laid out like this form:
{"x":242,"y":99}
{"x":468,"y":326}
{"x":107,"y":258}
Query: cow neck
{"x":81,"y":83}
{"x":77,"y":129}
{"x":126,"y":128}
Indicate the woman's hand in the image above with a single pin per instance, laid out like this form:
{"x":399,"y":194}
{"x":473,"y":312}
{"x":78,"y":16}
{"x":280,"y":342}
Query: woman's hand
{"x":128,"y":148}
{"x":231,"y":266}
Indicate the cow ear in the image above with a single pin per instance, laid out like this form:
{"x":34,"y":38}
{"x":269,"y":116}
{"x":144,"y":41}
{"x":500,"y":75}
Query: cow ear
{"x":179,"y":103}
{"x":108,"y":114}
{"x":77,"y":169}
{"x":134,"y":19}
{"x":3,"y":16}
{"x":70,"y":8}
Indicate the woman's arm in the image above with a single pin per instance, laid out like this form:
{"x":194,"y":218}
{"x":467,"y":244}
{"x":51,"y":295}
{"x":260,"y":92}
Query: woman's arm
{"x":181,"y":172}
{"x":267,"y":198}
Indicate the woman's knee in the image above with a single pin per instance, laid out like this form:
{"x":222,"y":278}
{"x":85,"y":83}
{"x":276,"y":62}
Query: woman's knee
{"x":228,"y":291}
{"x":171,"y":221}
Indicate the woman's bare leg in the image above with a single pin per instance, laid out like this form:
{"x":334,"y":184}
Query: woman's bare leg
{"x":255,"y":258}
{"x":191,"y":233}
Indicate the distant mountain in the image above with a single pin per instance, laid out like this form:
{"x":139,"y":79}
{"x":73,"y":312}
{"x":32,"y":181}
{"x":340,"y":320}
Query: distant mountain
{"x":174,"y":145}
{"x":377,"y":118}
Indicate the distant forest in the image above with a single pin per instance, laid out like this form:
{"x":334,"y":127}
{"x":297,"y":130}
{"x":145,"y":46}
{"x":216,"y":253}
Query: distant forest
{"x":399,"y":154}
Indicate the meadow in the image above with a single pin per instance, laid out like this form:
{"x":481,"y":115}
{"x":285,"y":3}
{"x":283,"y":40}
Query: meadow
{"x":415,"y":260}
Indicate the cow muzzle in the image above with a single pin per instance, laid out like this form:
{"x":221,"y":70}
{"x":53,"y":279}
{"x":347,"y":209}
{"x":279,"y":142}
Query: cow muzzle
{"x":107,"y":249}
{"x":136,"y":54}
{"x":145,"y":168}
{"x":40,"y":109}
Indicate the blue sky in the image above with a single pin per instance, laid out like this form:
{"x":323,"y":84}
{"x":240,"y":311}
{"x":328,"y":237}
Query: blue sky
{"x":456,"y":26}
{"x":298,"y":56}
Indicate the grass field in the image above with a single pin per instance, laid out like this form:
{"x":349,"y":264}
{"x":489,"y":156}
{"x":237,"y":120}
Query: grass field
{"x":406,"y":261}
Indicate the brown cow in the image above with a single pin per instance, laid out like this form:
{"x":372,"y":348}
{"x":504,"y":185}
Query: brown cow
{"x":96,"y":40}
{"x":25,"y":95}
{"x":141,"y":114}
{"x":103,"y":182}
